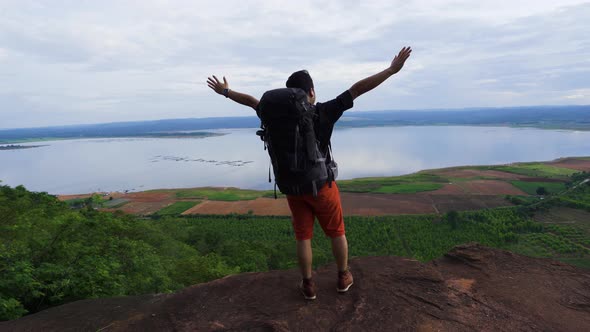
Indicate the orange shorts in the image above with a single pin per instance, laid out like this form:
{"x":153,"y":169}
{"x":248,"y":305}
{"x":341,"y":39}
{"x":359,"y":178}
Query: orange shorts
{"x":326,"y":207}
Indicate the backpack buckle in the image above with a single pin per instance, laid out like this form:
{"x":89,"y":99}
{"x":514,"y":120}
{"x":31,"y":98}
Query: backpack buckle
{"x":261,"y":133}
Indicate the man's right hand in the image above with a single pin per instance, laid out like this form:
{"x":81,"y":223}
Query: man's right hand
{"x":399,"y":60}
{"x":216,"y":85}
{"x":240,"y":98}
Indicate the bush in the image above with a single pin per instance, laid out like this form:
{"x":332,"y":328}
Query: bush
{"x":10,"y":309}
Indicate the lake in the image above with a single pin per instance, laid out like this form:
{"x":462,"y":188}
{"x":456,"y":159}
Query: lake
{"x":237,"y":159}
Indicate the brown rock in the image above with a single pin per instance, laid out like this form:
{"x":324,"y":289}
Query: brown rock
{"x":472,"y":288}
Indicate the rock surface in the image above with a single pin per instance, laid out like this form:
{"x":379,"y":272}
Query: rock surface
{"x":472,"y":288}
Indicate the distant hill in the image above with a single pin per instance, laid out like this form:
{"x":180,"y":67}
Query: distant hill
{"x":471,"y":288}
{"x":554,"y":117}
{"x":126,"y":129}
{"x":565,"y":117}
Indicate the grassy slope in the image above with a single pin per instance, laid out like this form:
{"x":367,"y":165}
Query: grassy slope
{"x":536,"y":170}
{"x":115,"y":203}
{"x":410,"y":183}
{"x":176,"y":208}
{"x":531,"y":187}
{"x":408,"y":188}
{"x":220,"y":194}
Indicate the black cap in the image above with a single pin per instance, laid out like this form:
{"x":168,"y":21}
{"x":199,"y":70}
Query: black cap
{"x":300,"y":79}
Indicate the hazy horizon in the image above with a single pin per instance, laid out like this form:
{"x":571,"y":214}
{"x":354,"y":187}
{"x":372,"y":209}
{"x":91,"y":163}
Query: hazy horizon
{"x":466,"y":109}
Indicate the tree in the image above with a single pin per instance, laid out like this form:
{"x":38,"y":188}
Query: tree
{"x":542,"y":191}
{"x":453,"y":218}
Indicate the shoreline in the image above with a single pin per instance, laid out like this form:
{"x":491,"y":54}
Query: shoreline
{"x":161,"y":135}
{"x":343,"y":125}
{"x":432,"y":170}
{"x":11,"y":147}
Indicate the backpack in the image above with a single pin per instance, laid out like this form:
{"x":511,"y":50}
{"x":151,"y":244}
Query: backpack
{"x":287,"y":130}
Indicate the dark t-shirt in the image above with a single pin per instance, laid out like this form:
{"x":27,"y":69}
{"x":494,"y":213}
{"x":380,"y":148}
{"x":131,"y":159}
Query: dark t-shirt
{"x":328,"y":113}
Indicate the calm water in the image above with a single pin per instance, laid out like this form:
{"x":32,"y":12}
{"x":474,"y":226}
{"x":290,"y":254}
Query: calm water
{"x":238,"y":159}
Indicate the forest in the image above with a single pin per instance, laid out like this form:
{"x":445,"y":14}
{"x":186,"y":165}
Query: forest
{"x":51,"y":254}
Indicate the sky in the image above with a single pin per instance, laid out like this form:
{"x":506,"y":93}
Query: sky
{"x":81,"y":61}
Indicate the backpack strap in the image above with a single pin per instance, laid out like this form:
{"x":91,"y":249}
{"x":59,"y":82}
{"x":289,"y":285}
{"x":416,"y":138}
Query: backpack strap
{"x":331,"y":176}
{"x":330,"y":151}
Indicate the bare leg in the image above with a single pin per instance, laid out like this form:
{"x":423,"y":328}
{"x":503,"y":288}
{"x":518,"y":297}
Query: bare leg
{"x":304,"y":255}
{"x":340,"y":251}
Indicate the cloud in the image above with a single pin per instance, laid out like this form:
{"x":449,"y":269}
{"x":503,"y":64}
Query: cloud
{"x":116,"y":60}
{"x":583,"y":94}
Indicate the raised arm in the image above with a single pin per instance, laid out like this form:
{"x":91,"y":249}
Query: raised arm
{"x":373,"y":81}
{"x":223,"y":89}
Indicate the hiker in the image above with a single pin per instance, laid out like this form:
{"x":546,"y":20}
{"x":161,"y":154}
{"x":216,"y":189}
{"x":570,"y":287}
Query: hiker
{"x":318,"y":197}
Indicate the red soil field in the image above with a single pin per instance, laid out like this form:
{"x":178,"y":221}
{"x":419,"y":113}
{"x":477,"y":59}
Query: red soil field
{"x":577,"y":164}
{"x":354,"y":204}
{"x":149,"y":196}
{"x":471,"y":173}
{"x":540,"y":180}
{"x":259,"y":206}
{"x":448,"y":189}
{"x":446,"y":203}
{"x":384,"y":204}
{"x":144,"y":208}
{"x":75,"y":196}
{"x":490,"y":187}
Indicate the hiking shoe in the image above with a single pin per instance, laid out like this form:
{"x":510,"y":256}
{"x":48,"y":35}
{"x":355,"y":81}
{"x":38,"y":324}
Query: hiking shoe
{"x":307,"y":287}
{"x":344,"y":281}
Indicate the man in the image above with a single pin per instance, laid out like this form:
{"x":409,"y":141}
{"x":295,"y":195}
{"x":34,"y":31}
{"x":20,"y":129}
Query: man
{"x":326,"y":204}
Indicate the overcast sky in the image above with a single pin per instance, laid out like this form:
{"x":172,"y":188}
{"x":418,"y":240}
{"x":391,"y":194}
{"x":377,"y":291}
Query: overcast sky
{"x":70,"y":62}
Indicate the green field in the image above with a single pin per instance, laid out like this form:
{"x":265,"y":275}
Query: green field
{"x":176,"y":208}
{"x":408,"y":188}
{"x":95,"y":201}
{"x":75,"y":201}
{"x":579,"y":262}
{"x":115,"y":203}
{"x":536,"y":170}
{"x":531,"y":187}
{"x":221,"y":194}
{"x":410,"y":183}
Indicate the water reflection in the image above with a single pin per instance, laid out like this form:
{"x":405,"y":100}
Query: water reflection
{"x":238,"y":159}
